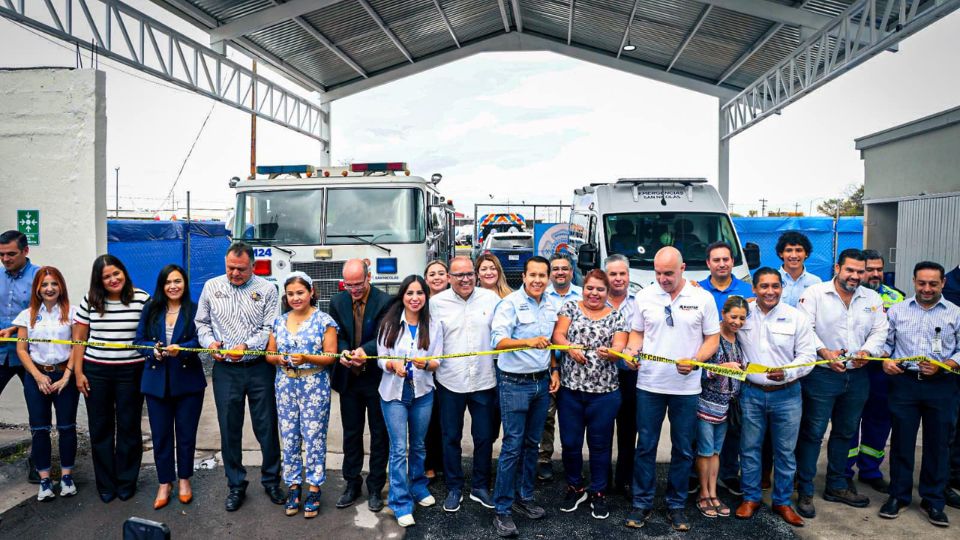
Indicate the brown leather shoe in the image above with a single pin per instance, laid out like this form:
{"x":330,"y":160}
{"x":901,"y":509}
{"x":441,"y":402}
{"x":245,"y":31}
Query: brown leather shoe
{"x":788,"y":515}
{"x":747,"y":509}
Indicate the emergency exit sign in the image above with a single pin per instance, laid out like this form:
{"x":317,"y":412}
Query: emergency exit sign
{"x":28,"y":222}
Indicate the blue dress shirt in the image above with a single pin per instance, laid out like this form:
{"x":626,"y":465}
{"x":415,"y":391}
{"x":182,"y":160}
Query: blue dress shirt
{"x":14,"y":298}
{"x":518,"y":316}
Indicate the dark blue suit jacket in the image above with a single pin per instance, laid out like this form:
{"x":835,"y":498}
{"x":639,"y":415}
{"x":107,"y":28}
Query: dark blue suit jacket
{"x":172,"y":376}
{"x":341,"y":309}
{"x":951,"y":291}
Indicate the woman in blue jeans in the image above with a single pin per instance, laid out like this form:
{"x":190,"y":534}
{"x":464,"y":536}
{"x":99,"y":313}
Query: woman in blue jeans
{"x":50,"y":316}
{"x":589,"y":395}
{"x":406,"y":393}
{"x":712,"y":409}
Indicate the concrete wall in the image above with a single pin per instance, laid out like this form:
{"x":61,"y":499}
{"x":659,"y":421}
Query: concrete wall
{"x":880,"y":231}
{"x":926,"y":163}
{"x":53,"y":151}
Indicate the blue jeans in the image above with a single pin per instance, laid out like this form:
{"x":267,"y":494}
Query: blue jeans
{"x":38,"y":410}
{"x":779,"y":412}
{"x":837,"y":399}
{"x":593,"y":413}
{"x":523,"y":411}
{"x":407,"y":415}
{"x":452,"y":407}
{"x":651,"y":409}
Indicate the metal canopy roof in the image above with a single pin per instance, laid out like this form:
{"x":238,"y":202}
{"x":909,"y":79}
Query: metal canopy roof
{"x":340,"y":47}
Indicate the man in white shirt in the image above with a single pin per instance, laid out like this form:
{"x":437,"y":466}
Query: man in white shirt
{"x":849,"y":321}
{"x":466,"y":312}
{"x":620,"y":298}
{"x":560,"y":291}
{"x":775,"y":335}
{"x":680,"y":322}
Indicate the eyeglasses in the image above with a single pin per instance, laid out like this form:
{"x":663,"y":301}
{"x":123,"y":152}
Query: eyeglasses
{"x":463,"y":276}
{"x":669,"y":313}
{"x":354,"y":286}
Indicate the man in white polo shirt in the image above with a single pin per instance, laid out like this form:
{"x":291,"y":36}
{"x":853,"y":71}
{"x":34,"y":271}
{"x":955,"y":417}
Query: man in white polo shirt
{"x":679,"y":322}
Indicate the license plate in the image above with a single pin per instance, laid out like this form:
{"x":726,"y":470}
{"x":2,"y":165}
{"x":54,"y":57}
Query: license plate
{"x":513,"y":257}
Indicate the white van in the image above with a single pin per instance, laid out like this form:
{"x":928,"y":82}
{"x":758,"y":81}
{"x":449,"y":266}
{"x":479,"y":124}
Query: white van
{"x":635,"y":217}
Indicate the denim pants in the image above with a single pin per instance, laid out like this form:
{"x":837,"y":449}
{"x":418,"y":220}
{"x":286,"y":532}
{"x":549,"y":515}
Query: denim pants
{"x":867,"y":446}
{"x":407,"y":416}
{"x":593,"y":413}
{"x":303,"y":412}
{"x":779,"y":413}
{"x":38,"y":409}
{"x":453,"y":405}
{"x":934,"y":401}
{"x":523,"y":411}
{"x":837,"y":399}
{"x":730,"y":453}
{"x":682,"y":412}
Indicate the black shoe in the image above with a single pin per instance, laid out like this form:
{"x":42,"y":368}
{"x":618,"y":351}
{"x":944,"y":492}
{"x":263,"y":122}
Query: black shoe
{"x":678,"y":520}
{"x":846,"y":496}
{"x":952,"y":498}
{"x":126,"y":494}
{"x":937,"y":517}
{"x":805,"y":506}
{"x":107,"y":496}
{"x":891,"y":509}
{"x":375,"y":502}
{"x":33,"y":476}
{"x":732,"y":485}
{"x":573,"y":498}
{"x":235,"y":499}
{"x":878,"y":484}
{"x":504,"y":525}
{"x":598,"y":506}
{"x":350,"y":495}
{"x":955,"y":483}
{"x":545,"y":471}
{"x":638,"y":517}
{"x":529,"y":509}
{"x":694,"y":485}
{"x":276,"y":494}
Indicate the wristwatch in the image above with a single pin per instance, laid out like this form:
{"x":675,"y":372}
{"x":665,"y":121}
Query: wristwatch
{"x":554,"y":370}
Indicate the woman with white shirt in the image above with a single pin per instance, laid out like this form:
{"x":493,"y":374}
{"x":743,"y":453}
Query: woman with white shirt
{"x":406,"y":392}
{"x":49,"y":316}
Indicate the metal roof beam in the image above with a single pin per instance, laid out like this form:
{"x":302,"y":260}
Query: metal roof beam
{"x":764,"y":9}
{"x":689,"y":38}
{"x":503,"y":15}
{"x":516,"y":41}
{"x":386,"y":29}
{"x":329,"y":45}
{"x":446,"y":22}
{"x":270,"y":16}
{"x":517,"y":18}
{"x":626,"y":31}
{"x":570,"y":23}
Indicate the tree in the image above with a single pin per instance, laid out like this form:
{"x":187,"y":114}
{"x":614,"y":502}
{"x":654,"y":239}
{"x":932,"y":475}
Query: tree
{"x":850,"y":204}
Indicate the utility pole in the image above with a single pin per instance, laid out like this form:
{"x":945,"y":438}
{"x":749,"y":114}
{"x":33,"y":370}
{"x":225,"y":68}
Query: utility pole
{"x":796,"y":208}
{"x":116,"y":195}
{"x":253,"y":124}
{"x":763,"y":207}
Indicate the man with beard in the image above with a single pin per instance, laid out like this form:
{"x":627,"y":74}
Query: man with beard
{"x":866,"y":451}
{"x":849,"y":323}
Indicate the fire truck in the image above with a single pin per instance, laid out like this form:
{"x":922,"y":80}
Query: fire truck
{"x":314,"y":219}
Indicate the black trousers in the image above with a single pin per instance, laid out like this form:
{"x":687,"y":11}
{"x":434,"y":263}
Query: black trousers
{"x":955,"y":446}
{"x":434,"y":441}
{"x":626,"y":430}
{"x":114,"y":409}
{"x":934,"y":402}
{"x":173,"y":428}
{"x":360,"y":405}
{"x":235,"y":383}
{"x":8,"y":372}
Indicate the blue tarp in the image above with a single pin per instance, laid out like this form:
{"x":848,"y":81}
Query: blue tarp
{"x":147,"y":246}
{"x":765,"y":231}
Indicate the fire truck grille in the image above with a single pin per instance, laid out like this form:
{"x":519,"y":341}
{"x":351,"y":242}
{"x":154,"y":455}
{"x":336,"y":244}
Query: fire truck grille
{"x":326,"y":277}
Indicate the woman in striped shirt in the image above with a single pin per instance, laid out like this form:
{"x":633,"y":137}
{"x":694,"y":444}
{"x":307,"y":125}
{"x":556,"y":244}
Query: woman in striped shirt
{"x":109,"y":378}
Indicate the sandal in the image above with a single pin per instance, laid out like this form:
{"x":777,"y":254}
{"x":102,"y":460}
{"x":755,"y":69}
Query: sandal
{"x":311,"y":507}
{"x":292,"y":506}
{"x":708,"y":510}
{"x":722,"y":509}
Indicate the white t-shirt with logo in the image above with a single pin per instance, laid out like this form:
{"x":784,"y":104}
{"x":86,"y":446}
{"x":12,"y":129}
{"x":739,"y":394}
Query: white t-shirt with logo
{"x":694,"y":315}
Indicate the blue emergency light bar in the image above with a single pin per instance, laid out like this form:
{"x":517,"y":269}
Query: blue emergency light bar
{"x":378,"y":167}
{"x":286,"y":169}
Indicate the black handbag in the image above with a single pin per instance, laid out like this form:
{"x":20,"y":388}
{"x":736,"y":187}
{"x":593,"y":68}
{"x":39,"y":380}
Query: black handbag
{"x":143,"y":529}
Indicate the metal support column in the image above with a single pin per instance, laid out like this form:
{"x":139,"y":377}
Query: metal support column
{"x":723,"y":157}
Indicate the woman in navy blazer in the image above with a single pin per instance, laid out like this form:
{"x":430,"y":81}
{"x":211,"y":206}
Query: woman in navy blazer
{"x":173,"y":381}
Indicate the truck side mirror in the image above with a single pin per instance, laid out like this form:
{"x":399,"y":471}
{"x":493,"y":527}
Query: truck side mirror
{"x":587,"y":257}
{"x":751,"y":252}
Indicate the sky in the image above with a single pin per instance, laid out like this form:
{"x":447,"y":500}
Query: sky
{"x":511,"y":127}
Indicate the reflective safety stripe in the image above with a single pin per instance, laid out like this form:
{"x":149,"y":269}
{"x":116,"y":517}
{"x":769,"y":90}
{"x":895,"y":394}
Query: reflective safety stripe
{"x":854,"y":452}
{"x":872,"y":452}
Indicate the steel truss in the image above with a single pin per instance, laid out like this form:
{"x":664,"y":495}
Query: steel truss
{"x":150,"y":46}
{"x":865,"y":29}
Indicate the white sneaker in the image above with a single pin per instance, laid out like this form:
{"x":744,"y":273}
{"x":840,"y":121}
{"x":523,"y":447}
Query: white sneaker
{"x":46,"y":490}
{"x":427,"y":501}
{"x":67,"y":487}
{"x":406,"y":521}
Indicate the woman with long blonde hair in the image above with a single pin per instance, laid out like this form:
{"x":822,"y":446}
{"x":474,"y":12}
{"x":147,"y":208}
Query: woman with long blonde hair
{"x":490,"y":275}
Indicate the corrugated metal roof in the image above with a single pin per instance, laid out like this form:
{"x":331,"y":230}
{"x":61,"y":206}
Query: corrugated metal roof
{"x":658,"y":30}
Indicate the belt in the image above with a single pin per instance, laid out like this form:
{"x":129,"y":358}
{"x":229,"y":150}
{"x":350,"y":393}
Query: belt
{"x":62,"y":366}
{"x":924,"y":378}
{"x":771,"y":387}
{"x":535,"y":376}
{"x":298,"y":373}
{"x":244,"y":363}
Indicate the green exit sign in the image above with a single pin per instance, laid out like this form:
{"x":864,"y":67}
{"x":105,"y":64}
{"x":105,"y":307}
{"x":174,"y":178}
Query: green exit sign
{"x":28,"y":222}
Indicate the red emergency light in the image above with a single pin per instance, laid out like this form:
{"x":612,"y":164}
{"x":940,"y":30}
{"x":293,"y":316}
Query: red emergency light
{"x":378,"y":167}
{"x":262,"y":267}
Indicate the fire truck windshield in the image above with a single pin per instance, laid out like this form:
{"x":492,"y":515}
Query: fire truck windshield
{"x":281,"y":217}
{"x":375,"y":215}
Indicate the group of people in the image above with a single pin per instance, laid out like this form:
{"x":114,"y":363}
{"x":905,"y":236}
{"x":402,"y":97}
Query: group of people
{"x":587,"y":360}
